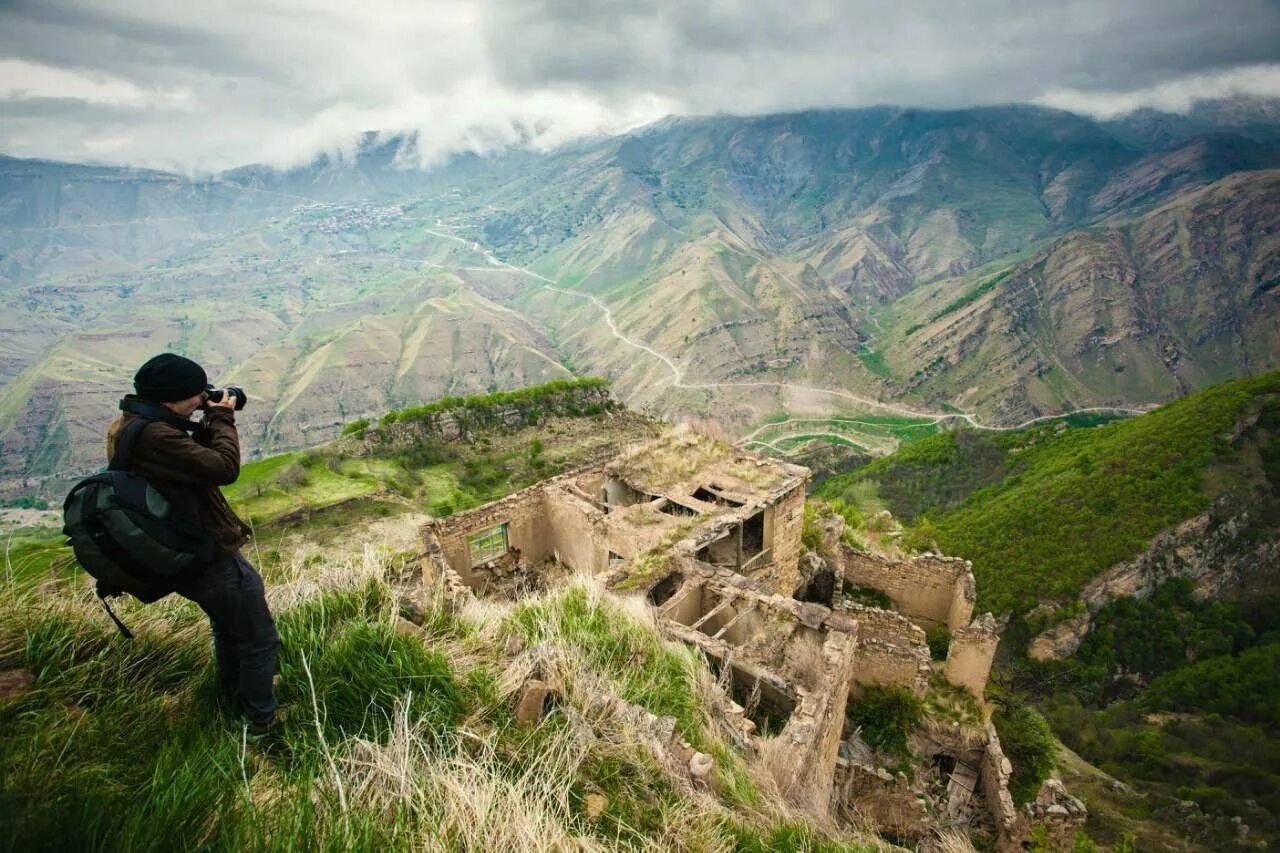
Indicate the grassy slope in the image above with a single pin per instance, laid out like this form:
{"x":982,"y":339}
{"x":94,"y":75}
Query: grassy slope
{"x":1042,"y":511}
{"x":391,"y":738}
{"x":438,"y":478}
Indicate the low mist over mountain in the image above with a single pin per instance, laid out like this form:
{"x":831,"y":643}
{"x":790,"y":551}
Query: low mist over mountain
{"x":992,"y":264}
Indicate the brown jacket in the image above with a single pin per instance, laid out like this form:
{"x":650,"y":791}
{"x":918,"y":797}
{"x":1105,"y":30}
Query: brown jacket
{"x":187,"y":468}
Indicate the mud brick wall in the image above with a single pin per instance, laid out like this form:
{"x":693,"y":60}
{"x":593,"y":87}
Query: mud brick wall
{"x":969,"y":658}
{"x":929,"y":590}
{"x":576,"y":531}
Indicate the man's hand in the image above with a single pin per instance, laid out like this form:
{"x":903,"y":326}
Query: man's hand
{"x":228,"y":401}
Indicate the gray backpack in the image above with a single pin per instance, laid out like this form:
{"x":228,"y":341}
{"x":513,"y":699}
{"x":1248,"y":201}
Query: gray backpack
{"x":126,"y":534}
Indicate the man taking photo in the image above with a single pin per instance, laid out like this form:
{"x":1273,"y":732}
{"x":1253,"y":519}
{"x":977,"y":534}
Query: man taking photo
{"x":186,"y":461}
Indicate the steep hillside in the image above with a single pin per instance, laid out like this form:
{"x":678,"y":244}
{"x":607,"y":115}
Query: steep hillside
{"x":402,"y":724}
{"x":1141,"y":562}
{"x":1146,"y":309}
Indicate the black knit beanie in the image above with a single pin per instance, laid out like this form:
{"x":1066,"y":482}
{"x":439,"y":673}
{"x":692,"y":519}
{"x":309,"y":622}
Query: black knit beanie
{"x":168,"y":378}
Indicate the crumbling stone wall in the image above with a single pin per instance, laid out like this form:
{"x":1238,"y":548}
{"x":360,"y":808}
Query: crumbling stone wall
{"x":881,"y":663}
{"x":867,"y":794}
{"x":930,"y":590}
{"x":804,"y":761}
{"x":784,"y":525}
{"x":524,"y":514}
{"x":972,"y":650}
{"x":886,"y":625}
{"x":544,"y":520}
{"x":994,"y":779}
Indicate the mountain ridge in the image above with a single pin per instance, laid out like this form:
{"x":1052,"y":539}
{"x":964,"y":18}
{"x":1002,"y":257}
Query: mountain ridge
{"x":756,"y":256}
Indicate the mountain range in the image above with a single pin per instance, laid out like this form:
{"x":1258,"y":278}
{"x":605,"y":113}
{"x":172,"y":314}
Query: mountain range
{"x":993,"y":265}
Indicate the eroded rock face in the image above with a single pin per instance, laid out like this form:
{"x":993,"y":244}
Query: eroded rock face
{"x":1212,"y":553}
{"x":1061,"y":640}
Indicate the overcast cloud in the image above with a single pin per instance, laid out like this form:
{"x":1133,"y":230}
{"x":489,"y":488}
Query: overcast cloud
{"x":209,"y":85}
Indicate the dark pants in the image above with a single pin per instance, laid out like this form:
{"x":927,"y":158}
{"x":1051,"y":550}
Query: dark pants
{"x":245,"y":641}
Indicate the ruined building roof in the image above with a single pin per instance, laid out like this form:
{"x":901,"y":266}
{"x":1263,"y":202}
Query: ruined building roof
{"x":681,"y":460}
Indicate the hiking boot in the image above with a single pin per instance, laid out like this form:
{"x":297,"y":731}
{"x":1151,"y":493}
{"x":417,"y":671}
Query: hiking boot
{"x":262,"y":731}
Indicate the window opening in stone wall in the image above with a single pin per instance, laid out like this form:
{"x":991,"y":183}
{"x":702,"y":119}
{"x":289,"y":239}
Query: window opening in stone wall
{"x":769,"y":709}
{"x":487,"y":545}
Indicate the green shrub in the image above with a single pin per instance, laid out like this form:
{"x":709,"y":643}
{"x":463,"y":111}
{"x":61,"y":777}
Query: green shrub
{"x":1029,"y":744}
{"x":358,"y":425}
{"x":939,"y":639}
{"x":1246,"y":687}
{"x":483,"y":403}
{"x":886,"y":716}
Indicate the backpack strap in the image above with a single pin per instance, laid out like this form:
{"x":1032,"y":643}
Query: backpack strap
{"x":126,"y":442}
{"x":103,"y":595}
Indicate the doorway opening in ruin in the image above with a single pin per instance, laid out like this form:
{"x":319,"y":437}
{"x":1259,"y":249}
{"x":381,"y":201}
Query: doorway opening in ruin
{"x":665,"y":588}
{"x":819,"y":589}
{"x":945,"y":765}
{"x":754,"y":550}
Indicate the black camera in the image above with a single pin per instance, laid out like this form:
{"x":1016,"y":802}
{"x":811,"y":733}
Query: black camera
{"x":215,"y":395}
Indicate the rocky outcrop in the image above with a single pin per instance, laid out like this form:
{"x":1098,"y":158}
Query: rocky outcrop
{"x":462,"y":422}
{"x":1061,"y":640}
{"x":1215,"y":554}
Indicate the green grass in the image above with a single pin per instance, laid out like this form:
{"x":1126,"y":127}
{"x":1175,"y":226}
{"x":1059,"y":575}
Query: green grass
{"x":484,"y":403}
{"x":877,"y":433}
{"x":389,"y":740}
{"x":434,"y":477}
{"x":1041,"y":511}
{"x":874,"y":362}
{"x":121,"y":745}
{"x":32,"y":558}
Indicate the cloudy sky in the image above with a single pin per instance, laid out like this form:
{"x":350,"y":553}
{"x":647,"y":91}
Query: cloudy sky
{"x":219,"y":83}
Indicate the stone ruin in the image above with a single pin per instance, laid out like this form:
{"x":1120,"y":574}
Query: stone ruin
{"x":712,"y":536}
